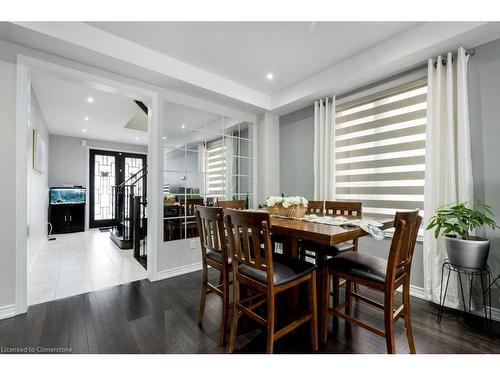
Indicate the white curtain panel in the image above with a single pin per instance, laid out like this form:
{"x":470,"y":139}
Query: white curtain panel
{"x":230,"y":167}
{"x":448,"y":170}
{"x":202,"y":167}
{"x":324,"y":162}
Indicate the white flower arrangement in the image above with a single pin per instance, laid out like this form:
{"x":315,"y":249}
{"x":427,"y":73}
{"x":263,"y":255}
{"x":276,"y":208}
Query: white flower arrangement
{"x":286,"y":202}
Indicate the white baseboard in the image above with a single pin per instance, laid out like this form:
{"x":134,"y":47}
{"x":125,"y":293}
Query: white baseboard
{"x":7,"y":311}
{"x":417,"y":292}
{"x":178,"y":271}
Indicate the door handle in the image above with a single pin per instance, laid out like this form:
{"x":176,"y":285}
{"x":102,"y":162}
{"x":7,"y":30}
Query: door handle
{"x":70,"y":218}
{"x":65,"y":218}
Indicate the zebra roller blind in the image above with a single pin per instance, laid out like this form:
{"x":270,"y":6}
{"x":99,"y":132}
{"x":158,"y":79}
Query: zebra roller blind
{"x":216,"y":169}
{"x":380,"y":150}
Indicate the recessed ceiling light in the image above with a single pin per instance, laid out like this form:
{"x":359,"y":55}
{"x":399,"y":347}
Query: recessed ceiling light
{"x":90,"y":99}
{"x":84,"y":130}
{"x":86,"y":118}
{"x":136,"y":138}
{"x":270,"y":76}
{"x":183,"y":126}
{"x":164,"y":137}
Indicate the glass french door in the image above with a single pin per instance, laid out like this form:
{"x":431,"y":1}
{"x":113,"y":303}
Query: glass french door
{"x":109,"y":169}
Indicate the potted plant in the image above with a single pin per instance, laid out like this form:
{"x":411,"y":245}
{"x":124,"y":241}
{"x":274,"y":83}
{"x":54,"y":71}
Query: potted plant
{"x":455,"y":223}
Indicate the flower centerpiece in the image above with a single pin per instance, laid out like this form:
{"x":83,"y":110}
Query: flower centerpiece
{"x":286,"y":206}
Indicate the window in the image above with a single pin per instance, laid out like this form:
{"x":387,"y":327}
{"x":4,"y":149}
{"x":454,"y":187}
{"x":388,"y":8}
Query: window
{"x":380,"y":150}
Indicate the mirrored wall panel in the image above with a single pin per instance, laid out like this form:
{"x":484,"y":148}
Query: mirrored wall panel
{"x":207,"y":158}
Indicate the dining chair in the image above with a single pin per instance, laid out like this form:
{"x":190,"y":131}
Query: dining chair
{"x":215,"y":254}
{"x":236,"y":204}
{"x":378,"y":274}
{"x":266,"y":273}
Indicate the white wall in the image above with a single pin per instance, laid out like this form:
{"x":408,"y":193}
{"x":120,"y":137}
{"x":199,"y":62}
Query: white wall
{"x":7,"y":181}
{"x":38,"y":196}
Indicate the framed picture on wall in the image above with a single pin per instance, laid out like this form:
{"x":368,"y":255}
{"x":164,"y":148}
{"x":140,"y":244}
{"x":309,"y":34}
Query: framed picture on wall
{"x":39,"y":151}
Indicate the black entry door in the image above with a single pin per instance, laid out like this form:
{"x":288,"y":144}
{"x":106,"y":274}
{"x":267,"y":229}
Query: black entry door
{"x":109,"y":169}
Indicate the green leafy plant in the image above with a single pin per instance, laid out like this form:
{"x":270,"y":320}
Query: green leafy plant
{"x":459,"y":220}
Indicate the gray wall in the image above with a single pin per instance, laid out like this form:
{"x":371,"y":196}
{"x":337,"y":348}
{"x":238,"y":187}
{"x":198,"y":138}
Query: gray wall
{"x":68,"y":158}
{"x":484,"y":111}
{"x":296,"y":153}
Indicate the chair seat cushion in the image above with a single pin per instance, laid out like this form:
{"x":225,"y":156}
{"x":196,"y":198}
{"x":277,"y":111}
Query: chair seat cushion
{"x":216,"y":256}
{"x":360,"y":265}
{"x":285,"y":269}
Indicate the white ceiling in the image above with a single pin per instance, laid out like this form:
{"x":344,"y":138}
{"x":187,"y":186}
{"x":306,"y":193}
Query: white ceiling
{"x":64,"y":106}
{"x":244,"y":52}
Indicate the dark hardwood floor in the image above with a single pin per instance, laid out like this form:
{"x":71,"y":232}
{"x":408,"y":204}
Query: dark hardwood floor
{"x":160,"y":317}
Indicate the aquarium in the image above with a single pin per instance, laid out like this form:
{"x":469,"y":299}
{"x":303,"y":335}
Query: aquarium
{"x":67,"y":195}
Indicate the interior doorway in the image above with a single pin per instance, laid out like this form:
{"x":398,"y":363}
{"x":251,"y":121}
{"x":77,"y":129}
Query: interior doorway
{"x":67,"y":119}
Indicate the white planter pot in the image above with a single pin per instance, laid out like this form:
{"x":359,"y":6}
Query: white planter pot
{"x":471,"y":253}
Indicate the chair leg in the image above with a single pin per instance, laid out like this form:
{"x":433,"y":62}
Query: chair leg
{"x":235,"y":315}
{"x":355,"y":242}
{"x":389,"y":321}
{"x":271,"y":316}
{"x":348,"y":297}
{"x":313,"y":311}
{"x":225,"y":306}
{"x":325,"y":304}
{"x":407,"y":317}
{"x":203,"y":293}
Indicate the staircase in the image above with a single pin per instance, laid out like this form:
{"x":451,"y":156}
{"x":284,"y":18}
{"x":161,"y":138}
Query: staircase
{"x":129,"y":228}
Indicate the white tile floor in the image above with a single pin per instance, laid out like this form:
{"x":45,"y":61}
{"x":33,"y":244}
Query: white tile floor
{"x":78,"y":263}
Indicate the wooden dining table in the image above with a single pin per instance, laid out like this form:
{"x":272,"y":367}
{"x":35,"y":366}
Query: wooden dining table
{"x":322,"y":234}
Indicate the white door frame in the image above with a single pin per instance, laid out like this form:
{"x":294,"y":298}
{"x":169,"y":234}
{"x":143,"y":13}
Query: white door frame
{"x":155,"y":158}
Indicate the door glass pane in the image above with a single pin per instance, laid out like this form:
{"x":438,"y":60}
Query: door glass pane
{"x":104,"y":179}
{"x":132,"y":166}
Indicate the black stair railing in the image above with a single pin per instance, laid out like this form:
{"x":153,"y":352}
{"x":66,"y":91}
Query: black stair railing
{"x":123,"y":204}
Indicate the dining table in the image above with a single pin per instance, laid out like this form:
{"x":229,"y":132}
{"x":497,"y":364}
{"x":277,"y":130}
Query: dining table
{"x":292,"y":230}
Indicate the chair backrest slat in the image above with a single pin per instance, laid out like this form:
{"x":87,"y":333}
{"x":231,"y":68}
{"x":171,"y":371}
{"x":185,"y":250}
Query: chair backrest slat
{"x":335,"y":208}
